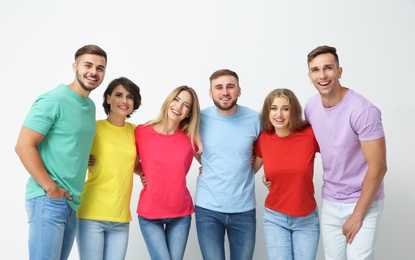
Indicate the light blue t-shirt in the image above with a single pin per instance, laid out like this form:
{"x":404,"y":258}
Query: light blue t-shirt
{"x":67,"y":120}
{"x":227,"y":183}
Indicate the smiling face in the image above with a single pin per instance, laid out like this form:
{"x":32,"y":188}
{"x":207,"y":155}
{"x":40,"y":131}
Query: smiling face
{"x":325,"y":74}
{"x":121,"y":102}
{"x":279,"y":116}
{"x":90,"y":71}
{"x":180,"y":107}
{"x":224,"y":91}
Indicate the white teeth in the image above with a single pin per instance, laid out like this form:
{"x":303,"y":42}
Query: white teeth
{"x":175,"y":112}
{"x":324,"y":83}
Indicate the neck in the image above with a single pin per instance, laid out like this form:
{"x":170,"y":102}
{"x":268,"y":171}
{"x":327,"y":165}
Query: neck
{"x":167,"y":129}
{"x":76,"y":87}
{"x":283,"y":132}
{"x":229,"y":112}
{"x":116,"y":120}
{"x":335,"y":98}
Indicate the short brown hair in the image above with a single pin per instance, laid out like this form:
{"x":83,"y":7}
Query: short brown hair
{"x":323,"y":50}
{"x":91,"y":49}
{"x":224,"y":72}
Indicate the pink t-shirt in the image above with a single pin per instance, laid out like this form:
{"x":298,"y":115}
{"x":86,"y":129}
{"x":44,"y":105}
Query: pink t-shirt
{"x":166,"y":160}
{"x":339,"y":131}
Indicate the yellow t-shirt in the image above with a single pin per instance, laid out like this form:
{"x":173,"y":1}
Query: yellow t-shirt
{"x":107,"y":191}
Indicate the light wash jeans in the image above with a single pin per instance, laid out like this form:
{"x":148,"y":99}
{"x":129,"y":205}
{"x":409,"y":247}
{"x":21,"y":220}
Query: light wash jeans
{"x":52,"y":227}
{"x":240,"y":228}
{"x":288,"y":237}
{"x":333,"y":216}
{"x":166,"y":238}
{"x":98,"y":240}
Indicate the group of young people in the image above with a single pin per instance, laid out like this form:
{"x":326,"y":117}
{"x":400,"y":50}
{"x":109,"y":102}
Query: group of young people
{"x":60,"y":142}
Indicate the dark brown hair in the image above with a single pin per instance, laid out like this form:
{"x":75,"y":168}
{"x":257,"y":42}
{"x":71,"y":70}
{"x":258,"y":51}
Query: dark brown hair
{"x":91,"y":49}
{"x":130,"y":86}
{"x":323,"y":50}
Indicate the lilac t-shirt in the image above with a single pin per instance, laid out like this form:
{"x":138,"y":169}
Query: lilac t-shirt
{"x":338,"y":131}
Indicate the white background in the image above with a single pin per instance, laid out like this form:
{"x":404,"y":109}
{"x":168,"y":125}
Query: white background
{"x":163,"y":44}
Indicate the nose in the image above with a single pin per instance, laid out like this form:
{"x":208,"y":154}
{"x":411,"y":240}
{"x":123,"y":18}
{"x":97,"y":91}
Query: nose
{"x":322,"y":74}
{"x":93,"y":70}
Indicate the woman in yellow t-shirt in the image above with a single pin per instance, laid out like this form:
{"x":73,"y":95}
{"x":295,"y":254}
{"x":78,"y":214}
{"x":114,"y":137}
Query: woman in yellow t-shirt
{"x":104,"y":214}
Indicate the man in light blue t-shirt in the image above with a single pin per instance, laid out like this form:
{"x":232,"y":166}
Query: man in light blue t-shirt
{"x":54,"y":145}
{"x":225,"y":192}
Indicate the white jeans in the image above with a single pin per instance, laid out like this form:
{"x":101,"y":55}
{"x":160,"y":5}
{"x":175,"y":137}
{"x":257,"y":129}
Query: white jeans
{"x":333,"y":215}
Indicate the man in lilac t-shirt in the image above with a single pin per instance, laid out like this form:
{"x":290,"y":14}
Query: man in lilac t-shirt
{"x":350,"y":134}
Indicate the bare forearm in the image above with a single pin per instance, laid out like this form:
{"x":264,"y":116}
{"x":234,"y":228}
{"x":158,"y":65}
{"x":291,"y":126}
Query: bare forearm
{"x":31,"y":160}
{"x":375,"y":155}
{"x":370,"y":187}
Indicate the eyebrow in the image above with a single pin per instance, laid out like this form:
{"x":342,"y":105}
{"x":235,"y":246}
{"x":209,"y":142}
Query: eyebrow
{"x":119,"y":92}
{"x":325,"y":65}
{"x":90,"y":63}
{"x":229,"y":84}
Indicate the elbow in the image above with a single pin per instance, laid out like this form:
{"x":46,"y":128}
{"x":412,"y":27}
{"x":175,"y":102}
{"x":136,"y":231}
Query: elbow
{"x":18,"y":149}
{"x":381,"y":172}
{"x":384,"y":170}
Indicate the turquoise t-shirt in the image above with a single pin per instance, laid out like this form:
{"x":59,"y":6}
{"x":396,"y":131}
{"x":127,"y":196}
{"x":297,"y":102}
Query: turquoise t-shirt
{"x":227,"y":183}
{"x":67,"y":120}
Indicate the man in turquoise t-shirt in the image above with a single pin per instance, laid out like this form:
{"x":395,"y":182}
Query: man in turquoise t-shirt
{"x":54,"y":145}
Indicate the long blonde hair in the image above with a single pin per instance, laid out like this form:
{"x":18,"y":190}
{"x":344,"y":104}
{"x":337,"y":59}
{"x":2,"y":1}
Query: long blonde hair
{"x":189,"y":125}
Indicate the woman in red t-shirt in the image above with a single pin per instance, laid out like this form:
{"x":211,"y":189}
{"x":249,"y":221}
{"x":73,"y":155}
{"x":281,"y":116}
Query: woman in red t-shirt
{"x":287,"y":149}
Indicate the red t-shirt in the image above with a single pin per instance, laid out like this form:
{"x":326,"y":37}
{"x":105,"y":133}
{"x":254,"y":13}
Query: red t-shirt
{"x":289,"y":165}
{"x":166,"y":160}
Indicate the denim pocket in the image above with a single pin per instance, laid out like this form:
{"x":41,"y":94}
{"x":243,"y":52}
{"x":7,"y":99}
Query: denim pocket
{"x":30,"y":206}
{"x":55,"y":208}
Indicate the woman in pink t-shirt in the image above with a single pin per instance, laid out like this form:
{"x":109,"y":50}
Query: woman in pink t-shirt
{"x":166,"y":146}
{"x":287,"y":150}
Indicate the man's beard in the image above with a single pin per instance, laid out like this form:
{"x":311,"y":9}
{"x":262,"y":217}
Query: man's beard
{"x":84,"y":87}
{"x":225,"y":108}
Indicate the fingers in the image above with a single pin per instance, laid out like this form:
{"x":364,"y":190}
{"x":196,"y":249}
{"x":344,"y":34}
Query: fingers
{"x":265,"y":181}
{"x":67,"y":195}
{"x":91,"y":160}
{"x":143,"y":180}
{"x":351,"y":227}
{"x":59,"y":193}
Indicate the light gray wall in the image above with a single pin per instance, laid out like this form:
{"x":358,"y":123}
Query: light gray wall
{"x":163,"y":44}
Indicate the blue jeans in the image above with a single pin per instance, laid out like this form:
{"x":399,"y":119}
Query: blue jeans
{"x":166,"y":238}
{"x":52,"y":227}
{"x":240,"y":228}
{"x":288,"y":237}
{"x":102,"y":239}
